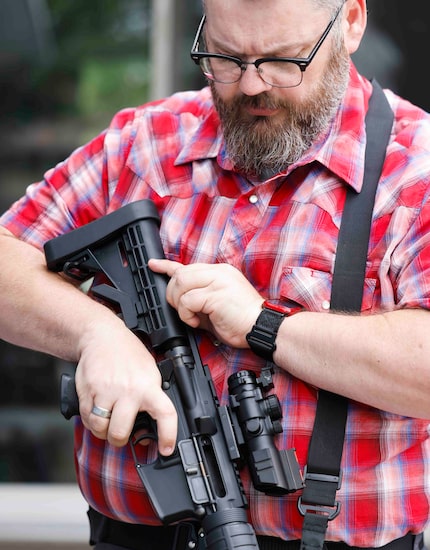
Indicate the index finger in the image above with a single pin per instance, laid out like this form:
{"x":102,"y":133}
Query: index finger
{"x":163,"y":412}
{"x":164,"y":266}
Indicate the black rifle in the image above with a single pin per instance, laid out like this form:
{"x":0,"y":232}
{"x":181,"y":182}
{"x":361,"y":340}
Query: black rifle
{"x":213,"y":441}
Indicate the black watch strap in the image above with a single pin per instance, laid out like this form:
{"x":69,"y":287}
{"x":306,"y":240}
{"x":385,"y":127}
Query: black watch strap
{"x":262,"y":338}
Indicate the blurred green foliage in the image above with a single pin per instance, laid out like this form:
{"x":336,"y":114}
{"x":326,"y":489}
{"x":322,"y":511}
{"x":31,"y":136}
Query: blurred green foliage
{"x":101,"y":62}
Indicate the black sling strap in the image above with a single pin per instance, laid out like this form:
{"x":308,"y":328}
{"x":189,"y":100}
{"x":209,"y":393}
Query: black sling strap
{"x":318,"y":502}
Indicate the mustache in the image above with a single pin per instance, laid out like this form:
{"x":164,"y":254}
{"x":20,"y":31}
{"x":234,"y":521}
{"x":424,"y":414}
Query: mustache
{"x":261,"y":101}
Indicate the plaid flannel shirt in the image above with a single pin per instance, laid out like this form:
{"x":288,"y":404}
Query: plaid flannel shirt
{"x":281,"y":233}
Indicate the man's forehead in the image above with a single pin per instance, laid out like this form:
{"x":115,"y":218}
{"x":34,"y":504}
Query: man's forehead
{"x":269,"y":23}
{"x":287,"y":10}
{"x":209,"y":5}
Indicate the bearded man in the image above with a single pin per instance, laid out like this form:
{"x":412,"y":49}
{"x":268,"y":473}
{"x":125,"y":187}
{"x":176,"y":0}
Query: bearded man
{"x":249,"y":176}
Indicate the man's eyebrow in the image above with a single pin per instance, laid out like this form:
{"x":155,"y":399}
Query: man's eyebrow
{"x":278,"y":52}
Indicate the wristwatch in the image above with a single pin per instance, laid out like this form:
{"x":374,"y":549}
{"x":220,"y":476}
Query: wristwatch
{"x":263,"y":334}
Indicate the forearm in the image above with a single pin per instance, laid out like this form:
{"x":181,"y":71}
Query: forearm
{"x":40,"y":310}
{"x":380,"y":360}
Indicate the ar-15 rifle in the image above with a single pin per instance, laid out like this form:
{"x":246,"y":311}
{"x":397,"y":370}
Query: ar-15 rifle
{"x":213,"y":440}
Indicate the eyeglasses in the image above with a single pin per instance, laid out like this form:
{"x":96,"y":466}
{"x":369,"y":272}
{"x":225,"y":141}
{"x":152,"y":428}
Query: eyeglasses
{"x":280,"y":72}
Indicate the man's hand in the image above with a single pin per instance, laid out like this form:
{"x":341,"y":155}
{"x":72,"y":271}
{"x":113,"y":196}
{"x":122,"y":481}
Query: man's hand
{"x":116,"y":372}
{"x":215,"y":297}
{"x":45,"y":312}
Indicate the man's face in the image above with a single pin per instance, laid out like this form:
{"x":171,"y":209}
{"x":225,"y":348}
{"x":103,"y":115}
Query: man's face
{"x":268,"y":128}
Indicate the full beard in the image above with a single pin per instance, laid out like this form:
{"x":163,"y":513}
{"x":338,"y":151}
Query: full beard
{"x":260,"y":147}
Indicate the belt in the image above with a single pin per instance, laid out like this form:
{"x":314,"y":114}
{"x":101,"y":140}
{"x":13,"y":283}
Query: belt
{"x":109,"y":534}
{"x":407,"y":542}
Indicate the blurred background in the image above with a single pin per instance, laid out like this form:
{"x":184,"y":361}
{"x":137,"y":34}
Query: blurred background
{"x":66,"y":66}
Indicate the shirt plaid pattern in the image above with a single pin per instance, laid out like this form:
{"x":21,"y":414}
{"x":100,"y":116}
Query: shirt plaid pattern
{"x":281,"y":233}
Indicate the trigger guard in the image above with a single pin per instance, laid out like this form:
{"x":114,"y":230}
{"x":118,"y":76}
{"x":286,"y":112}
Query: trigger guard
{"x":147,"y":424}
{"x":136,"y":440}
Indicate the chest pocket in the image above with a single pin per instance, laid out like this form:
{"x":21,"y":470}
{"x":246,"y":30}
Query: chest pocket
{"x":311,"y":288}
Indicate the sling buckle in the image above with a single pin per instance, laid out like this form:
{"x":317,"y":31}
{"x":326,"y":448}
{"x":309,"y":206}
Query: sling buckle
{"x":327,"y":478}
{"x":329,"y":512}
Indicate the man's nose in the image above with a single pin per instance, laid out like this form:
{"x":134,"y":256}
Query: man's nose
{"x":251,"y":83}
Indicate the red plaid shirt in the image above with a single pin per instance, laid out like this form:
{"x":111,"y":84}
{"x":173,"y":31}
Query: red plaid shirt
{"x":281,"y":233}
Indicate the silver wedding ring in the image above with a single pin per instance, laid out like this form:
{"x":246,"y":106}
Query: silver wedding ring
{"x":100,"y":411}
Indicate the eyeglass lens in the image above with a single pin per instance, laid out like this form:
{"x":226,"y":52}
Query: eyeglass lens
{"x":275,"y":73}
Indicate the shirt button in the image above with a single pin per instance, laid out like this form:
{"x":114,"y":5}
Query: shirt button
{"x":326,"y":305}
{"x":253,"y":199}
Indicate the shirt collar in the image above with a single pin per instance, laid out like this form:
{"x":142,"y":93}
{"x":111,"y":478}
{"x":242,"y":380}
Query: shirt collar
{"x":341,"y":149}
{"x":206,"y":141}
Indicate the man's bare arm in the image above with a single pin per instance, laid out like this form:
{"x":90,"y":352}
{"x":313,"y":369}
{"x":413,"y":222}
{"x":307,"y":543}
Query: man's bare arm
{"x":44,"y":312}
{"x":382,"y":360}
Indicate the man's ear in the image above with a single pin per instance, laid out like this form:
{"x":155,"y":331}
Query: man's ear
{"x":354,"y":23}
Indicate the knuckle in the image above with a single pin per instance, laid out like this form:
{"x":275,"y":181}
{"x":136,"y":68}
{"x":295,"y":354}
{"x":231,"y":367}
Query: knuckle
{"x":179,"y":277}
{"x":99,"y":424}
{"x":117,"y":437}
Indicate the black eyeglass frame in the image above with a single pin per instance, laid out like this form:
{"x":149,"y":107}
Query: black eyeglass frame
{"x":302,"y":62}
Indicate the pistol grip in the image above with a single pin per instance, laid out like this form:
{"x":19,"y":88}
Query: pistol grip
{"x":69,"y":404}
